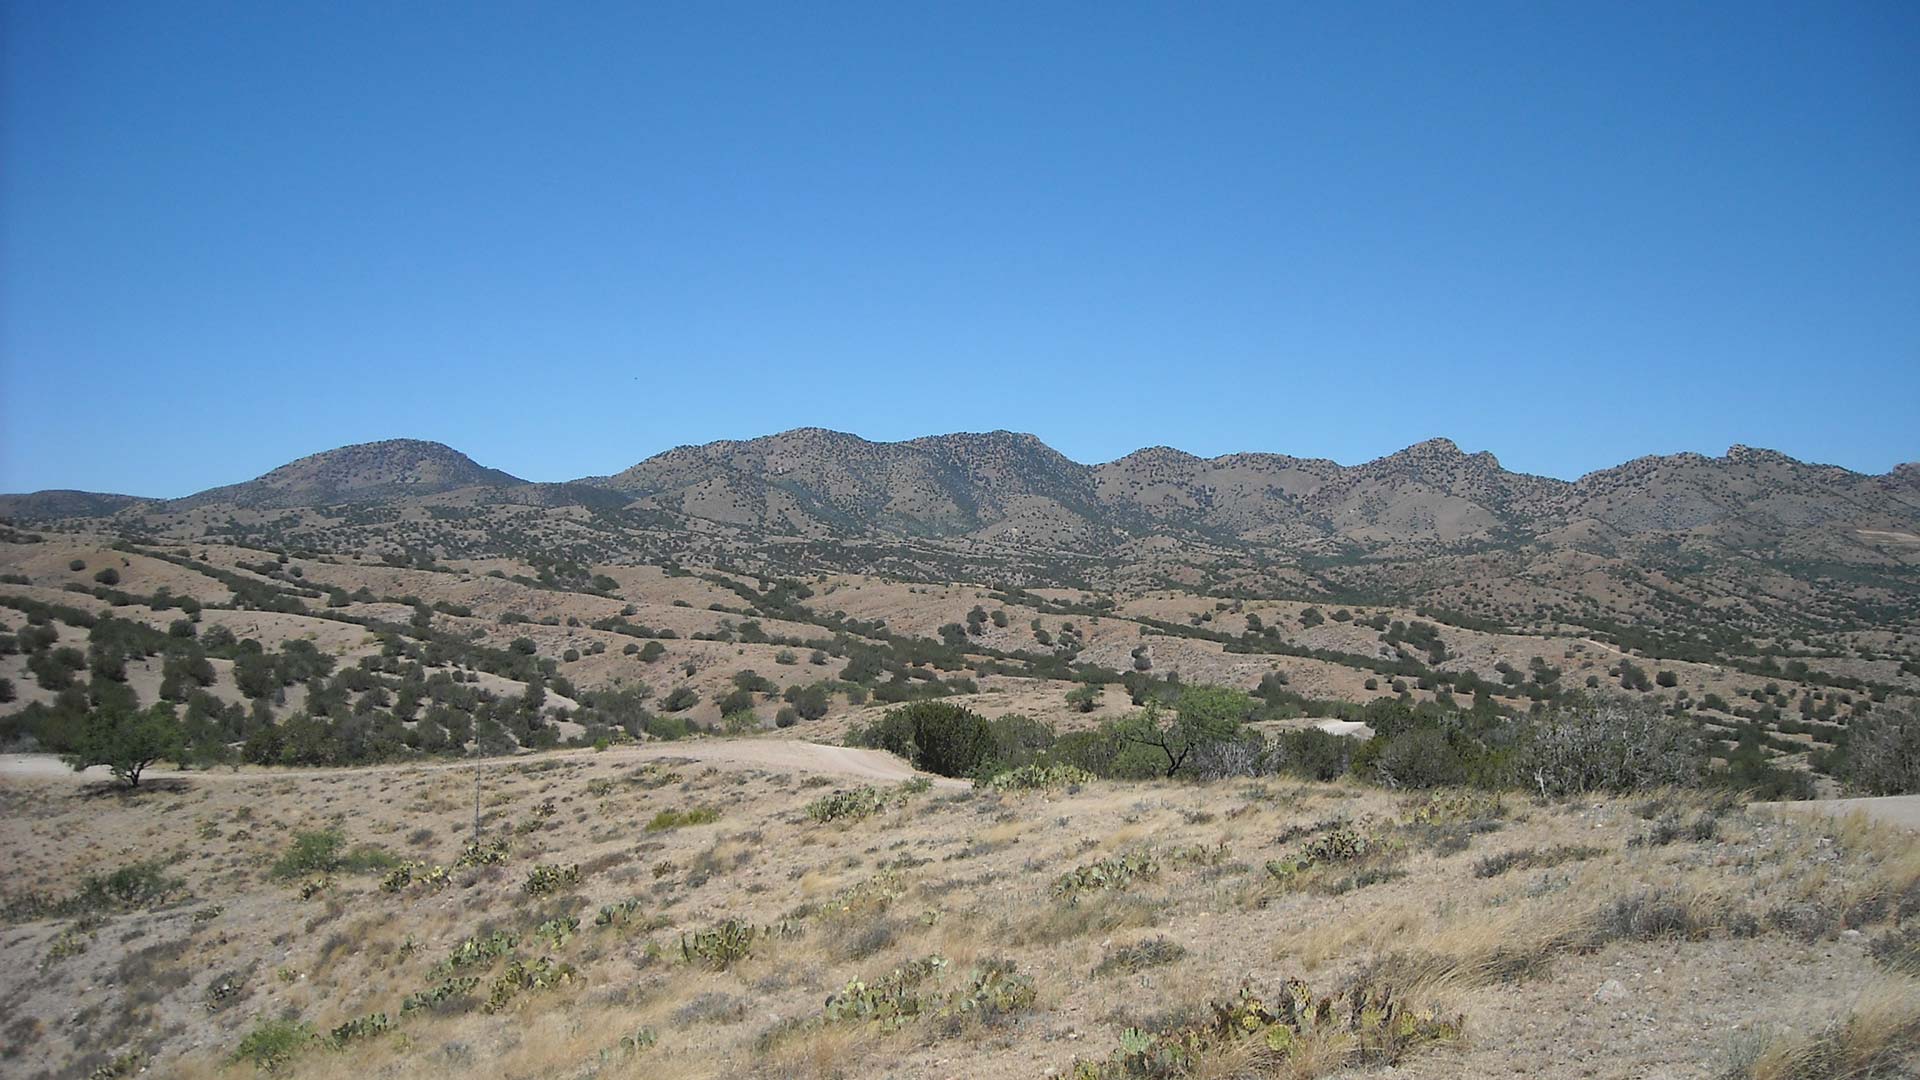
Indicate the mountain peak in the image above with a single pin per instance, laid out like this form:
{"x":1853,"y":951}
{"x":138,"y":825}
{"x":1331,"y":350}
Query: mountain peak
{"x":361,"y":472}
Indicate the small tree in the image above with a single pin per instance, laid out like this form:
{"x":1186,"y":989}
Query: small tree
{"x":1085,"y":698}
{"x":125,"y":741}
{"x":1201,"y":715}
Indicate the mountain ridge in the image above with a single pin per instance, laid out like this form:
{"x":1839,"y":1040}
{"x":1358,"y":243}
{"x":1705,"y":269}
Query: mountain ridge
{"x":820,"y":483}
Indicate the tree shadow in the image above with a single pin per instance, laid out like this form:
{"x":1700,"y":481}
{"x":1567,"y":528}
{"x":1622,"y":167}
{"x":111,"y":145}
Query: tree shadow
{"x":105,"y":789}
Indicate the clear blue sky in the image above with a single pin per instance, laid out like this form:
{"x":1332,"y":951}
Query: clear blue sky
{"x":562,"y":237}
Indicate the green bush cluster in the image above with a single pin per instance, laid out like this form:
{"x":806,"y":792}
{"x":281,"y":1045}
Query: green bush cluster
{"x":273,"y":1044}
{"x":520,"y":976}
{"x":935,"y":736}
{"x":722,"y":946}
{"x":324,"y":851}
{"x":617,"y":913}
{"x":558,"y":931}
{"x":1115,"y":872}
{"x":847,"y":805}
{"x":478,"y":951}
{"x":991,"y":991}
{"x":448,"y":991}
{"x":1379,"y":1028}
{"x":361,"y":1027}
{"x":549,"y":877}
{"x":1152,"y":952}
{"x":1037,"y":777}
{"x":676,"y":819}
{"x":135,"y":885}
{"x":1343,"y":844}
{"x":481,"y":853}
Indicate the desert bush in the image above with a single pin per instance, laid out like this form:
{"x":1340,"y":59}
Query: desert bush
{"x":721,"y":946}
{"x":1534,"y":858}
{"x":361,"y":1027}
{"x":1344,"y":844}
{"x":1654,"y":913}
{"x":320,"y":852}
{"x":451,"y":995}
{"x":847,"y":805}
{"x":549,"y":877}
{"x":675,"y":819}
{"x":1613,"y":745}
{"x":935,"y":736}
{"x":1247,"y":755}
{"x":1364,"y":1027}
{"x":1153,"y":952}
{"x":1313,"y":754}
{"x":272,"y":1045}
{"x":522,"y":975}
{"x":1420,"y":758}
{"x":1882,"y":753}
{"x":1115,"y":872}
{"x":1037,"y":778}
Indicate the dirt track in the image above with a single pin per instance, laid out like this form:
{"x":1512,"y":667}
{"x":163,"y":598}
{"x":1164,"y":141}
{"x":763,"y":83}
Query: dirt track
{"x":1901,"y":810}
{"x":779,"y":755}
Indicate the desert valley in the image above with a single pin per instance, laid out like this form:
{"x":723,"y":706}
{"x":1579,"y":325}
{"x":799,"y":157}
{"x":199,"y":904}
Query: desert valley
{"x":814,"y":756}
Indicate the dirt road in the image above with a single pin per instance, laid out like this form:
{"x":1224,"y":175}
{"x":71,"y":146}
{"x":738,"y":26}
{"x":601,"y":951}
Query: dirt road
{"x":1901,"y":810}
{"x":777,"y":755}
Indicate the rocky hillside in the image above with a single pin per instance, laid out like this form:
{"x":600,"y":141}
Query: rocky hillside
{"x":814,"y":482}
{"x":365,"y":472}
{"x":1010,"y":491}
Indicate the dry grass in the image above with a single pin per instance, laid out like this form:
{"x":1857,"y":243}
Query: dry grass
{"x":960,"y":876}
{"x":1878,"y":1037}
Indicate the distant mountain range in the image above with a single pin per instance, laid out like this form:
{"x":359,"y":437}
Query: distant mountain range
{"x":1002,"y":485}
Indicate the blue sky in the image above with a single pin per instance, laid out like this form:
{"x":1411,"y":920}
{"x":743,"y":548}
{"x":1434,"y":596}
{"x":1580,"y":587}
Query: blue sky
{"x":562,"y":237}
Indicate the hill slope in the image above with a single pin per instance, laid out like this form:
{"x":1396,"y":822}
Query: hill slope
{"x":364,"y":472}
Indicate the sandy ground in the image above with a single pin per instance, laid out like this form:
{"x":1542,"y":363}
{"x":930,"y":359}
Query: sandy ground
{"x":790,"y":755}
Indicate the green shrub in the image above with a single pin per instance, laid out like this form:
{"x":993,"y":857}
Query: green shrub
{"x":315,"y":852}
{"x":449,"y":995}
{"x":321,"y":852}
{"x":361,"y":1027}
{"x":847,"y":805}
{"x":1376,"y":1028}
{"x":478,"y":951}
{"x":675,"y":819}
{"x":1037,"y":778}
{"x":722,"y":946}
{"x":1115,"y":872}
{"x":521,"y":975}
{"x":273,"y":1044}
{"x":991,"y":992}
{"x":547,"y":878}
{"x":485,"y":853}
{"x":935,"y":736}
{"x":1341,"y":845}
